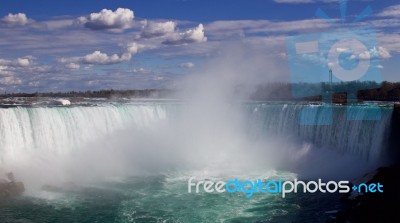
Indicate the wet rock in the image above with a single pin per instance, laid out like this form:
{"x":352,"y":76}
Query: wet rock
{"x":9,"y":187}
{"x":374,"y":207}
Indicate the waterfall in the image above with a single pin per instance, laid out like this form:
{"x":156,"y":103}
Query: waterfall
{"x":364,"y":138}
{"x":58,"y":130}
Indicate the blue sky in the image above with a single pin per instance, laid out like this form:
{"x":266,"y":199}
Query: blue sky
{"x":49,"y":45}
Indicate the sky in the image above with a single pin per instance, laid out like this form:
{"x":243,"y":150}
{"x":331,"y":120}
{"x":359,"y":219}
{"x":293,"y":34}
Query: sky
{"x":64,"y":45}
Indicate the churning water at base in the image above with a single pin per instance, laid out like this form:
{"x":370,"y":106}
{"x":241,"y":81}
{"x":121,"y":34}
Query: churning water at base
{"x":164,"y":198}
{"x":131,"y":162}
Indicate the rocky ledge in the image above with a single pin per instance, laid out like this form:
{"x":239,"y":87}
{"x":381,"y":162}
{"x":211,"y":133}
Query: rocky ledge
{"x":9,"y":187}
{"x":374,"y":207}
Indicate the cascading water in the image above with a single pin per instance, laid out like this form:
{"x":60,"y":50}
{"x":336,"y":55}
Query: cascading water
{"x":59,"y":130}
{"x":117,"y":140}
{"x":364,"y":138}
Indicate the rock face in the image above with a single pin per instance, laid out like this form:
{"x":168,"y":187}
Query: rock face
{"x":9,"y":187}
{"x":394,"y":136}
{"x":374,"y":207}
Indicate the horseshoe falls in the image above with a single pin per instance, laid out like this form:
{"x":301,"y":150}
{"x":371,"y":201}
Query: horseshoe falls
{"x":59,"y":130}
{"x":362,"y":137}
{"x":130,"y":162}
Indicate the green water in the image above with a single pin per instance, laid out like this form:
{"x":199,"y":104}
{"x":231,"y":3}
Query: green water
{"x":162,"y":198}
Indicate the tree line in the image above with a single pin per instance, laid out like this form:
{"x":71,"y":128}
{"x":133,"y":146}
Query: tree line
{"x":368,"y":91}
{"x":111,"y":93}
{"x":371,"y":91}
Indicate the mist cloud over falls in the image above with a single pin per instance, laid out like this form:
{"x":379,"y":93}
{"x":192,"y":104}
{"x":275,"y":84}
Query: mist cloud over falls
{"x":209,"y":131}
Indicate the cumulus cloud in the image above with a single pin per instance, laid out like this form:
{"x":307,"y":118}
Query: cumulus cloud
{"x":391,"y":11}
{"x":132,"y":48}
{"x":19,"y":62}
{"x":157,"y":29}
{"x":375,"y":53}
{"x":5,"y":70}
{"x":106,"y":19}
{"x":168,"y":33}
{"x":10,"y":80}
{"x":195,"y":35}
{"x":186,"y":65}
{"x":342,"y":50}
{"x":23,"y":62}
{"x":4,"y":62}
{"x":100,"y":58}
{"x":18,"y":19}
{"x":97,"y":57}
{"x":12,"y":71}
{"x":73,"y":66}
{"x":383,"y":53}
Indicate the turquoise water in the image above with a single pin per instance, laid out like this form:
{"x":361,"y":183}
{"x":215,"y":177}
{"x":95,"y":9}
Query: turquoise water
{"x":162,"y":198}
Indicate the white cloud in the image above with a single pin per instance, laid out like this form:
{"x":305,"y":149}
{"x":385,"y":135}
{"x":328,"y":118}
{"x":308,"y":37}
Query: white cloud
{"x":390,"y":41}
{"x":5,"y":70}
{"x":195,"y":35}
{"x":67,"y":40}
{"x":73,"y":66}
{"x":18,"y":71}
{"x":141,"y":70}
{"x":391,"y":11}
{"x":117,"y":20}
{"x":132,"y":48}
{"x":383,"y":53}
{"x":157,"y":29}
{"x":23,"y":62}
{"x":100,"y":58}
{"x":342,"y":50}
{"x":19,"y":62}
{"x":19,"y":19}
{"x":158,"y":78}
{"x":186,"y":65}
{"x":97,"y":57}
{"x":11,"y":68}
{"x":10,"y":80}
{"x":374,"y":53}
{"x":88,"y":67}
{"x":4,"y":62}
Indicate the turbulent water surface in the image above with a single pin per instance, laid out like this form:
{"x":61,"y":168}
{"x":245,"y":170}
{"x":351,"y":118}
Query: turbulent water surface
{"x":131,"y":162}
